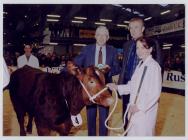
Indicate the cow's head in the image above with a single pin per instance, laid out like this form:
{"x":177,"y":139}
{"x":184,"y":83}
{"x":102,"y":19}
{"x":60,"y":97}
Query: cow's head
{"x":93,"y":81}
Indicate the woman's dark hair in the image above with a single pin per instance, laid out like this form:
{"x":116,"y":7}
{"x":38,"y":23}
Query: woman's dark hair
{"x":146,"y":42}
{"x":156,"y":50}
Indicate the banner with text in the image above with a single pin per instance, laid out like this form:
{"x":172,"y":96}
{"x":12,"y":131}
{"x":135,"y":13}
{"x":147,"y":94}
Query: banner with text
{"x":166,"y":28}
{"x":174,"y":79}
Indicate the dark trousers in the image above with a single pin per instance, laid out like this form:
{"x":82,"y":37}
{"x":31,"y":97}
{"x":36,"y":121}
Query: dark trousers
{"x":91,"y":120}
{"x":125,"y":103}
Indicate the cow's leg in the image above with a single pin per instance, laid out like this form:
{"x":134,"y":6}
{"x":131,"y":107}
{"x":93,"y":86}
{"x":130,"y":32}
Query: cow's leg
{"x":20,"y":114}
{"x":64,"y":128}
{"x":20,"y":117}
{"x":41,"y":129}
{"x":29,"y":125}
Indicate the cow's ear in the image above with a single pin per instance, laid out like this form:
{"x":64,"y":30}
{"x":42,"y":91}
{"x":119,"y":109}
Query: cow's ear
{"x":100,"y":75}
{"x":79,"y":74}
{"x":80,"y":77}
{"x":90,"y":71}
{"x":71,"y":67}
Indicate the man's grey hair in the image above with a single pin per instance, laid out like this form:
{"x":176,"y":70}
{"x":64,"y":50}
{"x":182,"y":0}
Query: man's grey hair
{"x":102,"y":29}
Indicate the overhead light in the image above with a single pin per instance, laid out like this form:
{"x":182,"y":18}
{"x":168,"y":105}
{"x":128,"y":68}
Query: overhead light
{"x":76,"y":21}
{"x":117,"y":5}
{"x":163,"y":5}
{"x":52,"y":20}
{"x":122,"y":25}
{"x":166,"y":48}
{"x":100,"y":23}
{"x":105,"y":20}
{"x":147,"y":18}
{"x":183,"y":46}
{"x":167,"y":45}
{"x":141,"y":15}
{"x":5,"y":13}
{"x":25,"y":16}
{"x":53,"y":43}
{"x":36,"y":24}
{"x":82,"y":18}
{"x":128,"y":9}
{"x":80,"y":45}
{"x":165,"y":12}
{"x":136,"y":12}
{"x":54,"y":16}
{"x":127,"y":22}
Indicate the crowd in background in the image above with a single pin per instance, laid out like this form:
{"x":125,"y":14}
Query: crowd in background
{"x":176,"y":62}
{"x":48,"y":60}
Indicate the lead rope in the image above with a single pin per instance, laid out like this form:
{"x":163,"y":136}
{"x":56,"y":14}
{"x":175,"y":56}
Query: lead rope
{"x":124,"y":116}
{"x":129,"y":122}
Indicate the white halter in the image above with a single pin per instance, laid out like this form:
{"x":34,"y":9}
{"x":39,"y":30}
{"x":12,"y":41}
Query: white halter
{"x":91,"y":98}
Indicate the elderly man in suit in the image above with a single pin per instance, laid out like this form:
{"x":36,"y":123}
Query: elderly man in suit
{"x":104,"y":56}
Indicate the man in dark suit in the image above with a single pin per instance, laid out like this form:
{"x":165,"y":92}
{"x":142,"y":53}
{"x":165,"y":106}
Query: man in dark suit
{"x":102,"y":55}
{"x":130,"y":59}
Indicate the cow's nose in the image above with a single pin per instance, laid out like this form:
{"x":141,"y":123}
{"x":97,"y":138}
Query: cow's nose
{"x":109,"y":101}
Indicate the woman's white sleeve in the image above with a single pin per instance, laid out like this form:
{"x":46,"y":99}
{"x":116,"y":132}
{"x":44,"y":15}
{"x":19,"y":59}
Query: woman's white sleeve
{"x":124,"y":89}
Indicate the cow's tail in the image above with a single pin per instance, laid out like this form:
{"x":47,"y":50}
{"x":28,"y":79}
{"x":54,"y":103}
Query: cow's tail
{"x":6,"y":88}
{"x":11,"y":83}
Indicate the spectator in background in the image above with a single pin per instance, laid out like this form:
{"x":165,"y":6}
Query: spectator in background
{"x":62,"y":61}
{"x":179,"y":65}
{"x":54,"y":61}
{"x":27,"y":58}
{"x":168,"y":64}
{"x":16,"y":55}
{"x":42,"y":60}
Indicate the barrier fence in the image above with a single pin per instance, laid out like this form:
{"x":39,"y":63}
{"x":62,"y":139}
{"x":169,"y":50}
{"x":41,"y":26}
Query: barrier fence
{"x":171,"y":79}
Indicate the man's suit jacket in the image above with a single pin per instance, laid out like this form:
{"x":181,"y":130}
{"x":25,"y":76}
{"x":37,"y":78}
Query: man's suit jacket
{"x":123,"y":77}
{"x":87,"y":58}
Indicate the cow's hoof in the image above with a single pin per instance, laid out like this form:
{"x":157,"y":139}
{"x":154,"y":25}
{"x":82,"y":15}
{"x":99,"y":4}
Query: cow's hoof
{"x":29,"y":131}
{"x":22,"y":134}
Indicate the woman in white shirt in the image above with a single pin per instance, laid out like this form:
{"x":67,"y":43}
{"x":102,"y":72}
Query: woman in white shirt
{"x":144,"y":111}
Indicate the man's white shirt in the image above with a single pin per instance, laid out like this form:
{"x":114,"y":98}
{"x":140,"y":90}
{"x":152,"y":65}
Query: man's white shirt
{"x":33,"y":61}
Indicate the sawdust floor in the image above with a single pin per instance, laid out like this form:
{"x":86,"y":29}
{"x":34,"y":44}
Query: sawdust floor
{"x":170,"y":119}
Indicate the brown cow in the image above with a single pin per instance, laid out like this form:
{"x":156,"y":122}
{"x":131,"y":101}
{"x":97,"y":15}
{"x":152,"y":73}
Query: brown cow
{"x":52,"y":98}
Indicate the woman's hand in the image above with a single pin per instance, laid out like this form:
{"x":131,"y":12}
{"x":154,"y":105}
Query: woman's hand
{"x":112,"y":86}
{"x":105,"y":69}
{"x":133,"y":109}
